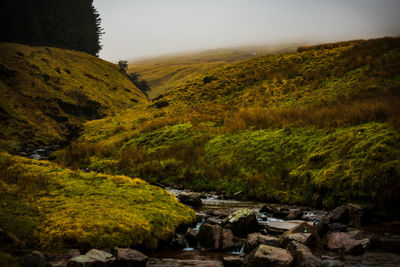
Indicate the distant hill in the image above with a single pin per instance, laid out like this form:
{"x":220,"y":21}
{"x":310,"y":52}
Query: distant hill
{"x":163,"y":73}
{"x":319,"y":126}
{"x":46,"y":93}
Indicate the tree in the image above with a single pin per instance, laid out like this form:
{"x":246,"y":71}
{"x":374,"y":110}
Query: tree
{"x":123,"y":65}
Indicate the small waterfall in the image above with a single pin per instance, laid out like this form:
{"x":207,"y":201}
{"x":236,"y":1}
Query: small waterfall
{"x":240,"y":252}
{"x":199,"y":224}
{"x":187,"y":248}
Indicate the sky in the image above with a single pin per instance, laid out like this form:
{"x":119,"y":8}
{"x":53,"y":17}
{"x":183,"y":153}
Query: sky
{"x":146,"y":28}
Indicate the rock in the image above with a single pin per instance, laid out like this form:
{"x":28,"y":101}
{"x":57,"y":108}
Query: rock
{"x":323,"y":225}
{"x":276,"y":211}
{"x":337,"y":227}
{"x":340,"y":215}
{"x":281,"y":227}
{"x":295,"y":214}
{"x":226,"y":241}
{"x":332,"y":263}
{"x":130,"y":257}
{"x":233,"y":261}
{"x":213,"y":220}
{"x":92,"y":258}
{"x":191,"y":199}
{"x":191,"y":237}
{"x":62,"y":260}
{"x":34,"y":259}
{"x":303,"y":238}
{"x":255,"y":239}
{"x":243,"y":222}
{"x":209,"y":236}
{"x":265,"y":255}
{"x":340,"y":241}
{"x":302,"y":255}
{"x":183,"y":263}
{"x":179,"y":242}
{"x":357,"y":215}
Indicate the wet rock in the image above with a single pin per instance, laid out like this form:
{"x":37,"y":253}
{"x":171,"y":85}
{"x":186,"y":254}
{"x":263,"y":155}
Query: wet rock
{"x":281,"y":227}
{"x":337,"y":227}
{"x":277,"y":211}
{"x":243,"y":222}
{"x":295,"y":214}
{"x":213,"y":220}
{"x":340,"y":215}
{"x":191,"y":237}
{"x":92,"y":258}
{"x":233,"y":261}
{"x":183,"y":263}
{"x":303,"y":238}
{"x":255,"y":239}
{"x":226,"y":241}
{"x":265,"y":255}
{"x":302,"y":255}
{"x":62,"y":260}
{"x":343,"y":242}
{"x":178,"y":242}
{"x":34,"y":259}
{"x":209,"y":236}
{"x":191,"y":199}
{"x":323,"y":225}
{"x":130,"y":257}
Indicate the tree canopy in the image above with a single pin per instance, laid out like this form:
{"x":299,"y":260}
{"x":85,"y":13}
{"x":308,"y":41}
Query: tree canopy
{"x":71,"y":24}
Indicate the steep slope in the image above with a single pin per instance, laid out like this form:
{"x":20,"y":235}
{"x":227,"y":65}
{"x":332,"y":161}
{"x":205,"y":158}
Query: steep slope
{"x":319,"y":126}
{"x":164,"y":73}
{"x":46,"y":93}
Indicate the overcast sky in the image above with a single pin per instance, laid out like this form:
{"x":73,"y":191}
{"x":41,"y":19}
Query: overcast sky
{"x":141,"y":28}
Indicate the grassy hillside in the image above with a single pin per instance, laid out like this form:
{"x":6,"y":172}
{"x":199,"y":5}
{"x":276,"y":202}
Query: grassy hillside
{"x":46,"y":93}
{"x":319,"y":126}
{"x":46,"y":206}
{"x":163,"y":73}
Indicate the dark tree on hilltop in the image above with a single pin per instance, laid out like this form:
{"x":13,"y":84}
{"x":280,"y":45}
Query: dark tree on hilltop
{"x":71,"y":24}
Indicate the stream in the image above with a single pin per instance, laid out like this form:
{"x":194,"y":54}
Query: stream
{"x":386,"y":253}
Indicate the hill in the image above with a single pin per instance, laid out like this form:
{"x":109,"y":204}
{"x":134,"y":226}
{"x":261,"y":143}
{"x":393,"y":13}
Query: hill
{"x":164,"y":73}
{"x":319,"y":126}
{"x":46,"y":93}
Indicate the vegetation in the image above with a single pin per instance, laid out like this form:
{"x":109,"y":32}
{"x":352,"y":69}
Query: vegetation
{"x":73,"y":24}
{"x":46,"y":93}
{"x":164,"y":73}
{"x":49,"y":207}
{"x":319,"y":127}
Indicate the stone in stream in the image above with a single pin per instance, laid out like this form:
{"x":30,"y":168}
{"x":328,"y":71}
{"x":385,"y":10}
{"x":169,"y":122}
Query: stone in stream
{"x":294,"y":214}
{"x":265,"y":255}
{"x":214,"y":237}
{"x":178,"y":242}
{"x":191,"y":199}
{"x":302,"y":255}
{"x":306,"y":239}
{"x":255,"y":239}
{"x":92,"y":258}
{"x":280,"y":227}
{"x":304,"y":233}
{"x":343,"y":242}
{"x":191,"y":237}
{"x":233,"y":261}
{"x":340,"y":215}
{"x":226,"y":241}
{"x":242,"y":222}
{"x":62,"y":260}
{"x":127,"y":257}
{"x":277,"y":211}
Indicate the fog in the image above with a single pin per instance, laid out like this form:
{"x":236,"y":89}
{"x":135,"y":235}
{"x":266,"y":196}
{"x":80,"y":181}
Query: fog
{"x":143,"y":28}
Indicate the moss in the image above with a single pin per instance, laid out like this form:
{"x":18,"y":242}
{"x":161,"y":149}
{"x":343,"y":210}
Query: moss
{"x":55,"y":208}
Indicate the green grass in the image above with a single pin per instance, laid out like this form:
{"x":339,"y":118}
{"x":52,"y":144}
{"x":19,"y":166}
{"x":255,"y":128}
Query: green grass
{"x":47,"y":93}
{"x":46,"y":206}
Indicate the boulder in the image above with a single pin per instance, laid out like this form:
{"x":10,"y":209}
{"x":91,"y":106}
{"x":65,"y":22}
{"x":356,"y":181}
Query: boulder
{"x":340,"y":215}
{"x":213,"y":220}
{"x":340,"y":241}
{"x":233,"y":261}
{"x":209,"y":236}
{"x":295,"y":214}
{"x":304,"y":233}
{"x":255,"y":239}
{"x":226,"y":241}
{"x":302,"y":255}
{"x":306,"y":239}
{"x":276,"y":211}
{"x":191,"y":199}
{"x":34,"y":259}
{"x":242,"y":222}
{"x":127,"y":257}
{"x":280,"y":227}
{"x":92,"y":258}
{"x":265,"y":255}
{"x":358,"y":216}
